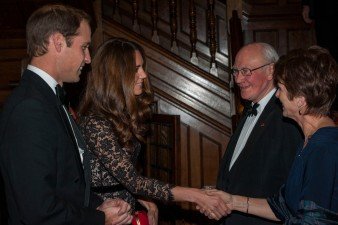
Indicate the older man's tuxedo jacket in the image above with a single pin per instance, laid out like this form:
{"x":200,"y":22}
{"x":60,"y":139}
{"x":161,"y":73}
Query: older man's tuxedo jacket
{"x":40,"y":164}
{"x":263,"y":165}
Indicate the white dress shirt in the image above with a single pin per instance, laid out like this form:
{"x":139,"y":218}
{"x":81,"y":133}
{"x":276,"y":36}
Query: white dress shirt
{"x":45,"y":76}
{"x":249,"y":124}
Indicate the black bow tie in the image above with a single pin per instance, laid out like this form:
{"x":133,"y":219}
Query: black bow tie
{"x":251,"y":110}
{"x":61,"y":94}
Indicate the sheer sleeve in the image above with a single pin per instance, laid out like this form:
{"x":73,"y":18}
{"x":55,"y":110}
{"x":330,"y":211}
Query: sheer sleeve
{"x":118,"y":161}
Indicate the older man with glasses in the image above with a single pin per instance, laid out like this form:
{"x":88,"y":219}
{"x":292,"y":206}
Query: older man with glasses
{"x":261,"y":149}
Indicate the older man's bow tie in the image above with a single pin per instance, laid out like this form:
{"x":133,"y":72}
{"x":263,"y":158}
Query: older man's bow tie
{"x":251,"y":110}
{"x":61,"y":94}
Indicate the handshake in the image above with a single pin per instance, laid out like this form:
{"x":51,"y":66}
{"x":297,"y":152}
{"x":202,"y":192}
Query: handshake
{"x":214,"y":203}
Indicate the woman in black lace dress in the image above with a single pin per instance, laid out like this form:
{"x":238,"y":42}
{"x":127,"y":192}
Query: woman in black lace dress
{"x":114,"y":115}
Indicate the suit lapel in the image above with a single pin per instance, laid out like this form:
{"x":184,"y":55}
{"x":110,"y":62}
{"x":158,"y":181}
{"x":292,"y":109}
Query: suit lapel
{"x":225,"y":162}
{"x":257,"y":132}
{"x":70,"y":133}
{"x":85,"y":169}
{"x":233,"y":142}
{"x":262,"y":121}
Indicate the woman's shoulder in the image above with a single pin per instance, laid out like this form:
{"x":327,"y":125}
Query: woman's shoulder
{"x":326,"y":140}
{"x":326,"y":134}
{"x":91,"y":118}
{"x":93,"y":121}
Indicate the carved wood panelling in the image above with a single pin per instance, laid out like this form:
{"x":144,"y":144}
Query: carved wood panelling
{"x":163,"y":148}
{"x":211,"y":153}
{"x":201,"y":147}
{"x":277,"y":22}
{"x":185,"y":156}
{"x":300,"y":38}
{"x":177,"y":29}
{"x":12,"y":51}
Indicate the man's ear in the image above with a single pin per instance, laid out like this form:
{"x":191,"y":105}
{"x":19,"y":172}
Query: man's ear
{"x":57,"y":41}
{"x":270,"y":69}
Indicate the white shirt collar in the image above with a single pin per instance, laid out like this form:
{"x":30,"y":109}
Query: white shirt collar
{"x":264,"y":101}
{"x":45,"y":76}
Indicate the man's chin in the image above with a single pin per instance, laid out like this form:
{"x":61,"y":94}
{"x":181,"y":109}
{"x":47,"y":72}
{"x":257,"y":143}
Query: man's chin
{"x":245,"y":96}
{"x":75,"y":80}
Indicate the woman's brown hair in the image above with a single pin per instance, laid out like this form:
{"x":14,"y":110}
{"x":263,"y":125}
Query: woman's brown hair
{"x":311,"y":73}
{"x":110,"y":90}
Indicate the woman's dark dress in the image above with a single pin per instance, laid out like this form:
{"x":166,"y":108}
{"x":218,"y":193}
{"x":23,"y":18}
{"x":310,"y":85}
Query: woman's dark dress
{"x":113,"y":166}
{"x":310,"y":195}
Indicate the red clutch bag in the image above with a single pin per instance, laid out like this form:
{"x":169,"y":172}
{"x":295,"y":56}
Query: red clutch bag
{"x":140,"y":218}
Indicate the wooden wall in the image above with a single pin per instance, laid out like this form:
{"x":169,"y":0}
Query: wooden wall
{"x":12,"y":51}
{"x":277,"y":22}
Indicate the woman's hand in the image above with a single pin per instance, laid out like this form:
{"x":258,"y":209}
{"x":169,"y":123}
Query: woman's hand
{"x":226,"y":197}
{"x":152,"y":211}
{"x":212,"y":204}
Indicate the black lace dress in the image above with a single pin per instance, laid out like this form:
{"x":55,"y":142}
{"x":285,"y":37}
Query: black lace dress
{"x":113,"y":166}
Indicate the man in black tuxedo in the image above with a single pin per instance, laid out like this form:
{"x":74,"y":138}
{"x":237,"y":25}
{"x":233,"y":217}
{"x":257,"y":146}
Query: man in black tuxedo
{"x":44,"y":170}
{"x":262,"y":148}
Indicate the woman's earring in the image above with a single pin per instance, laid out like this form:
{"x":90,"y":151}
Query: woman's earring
{"x":299,"y":108}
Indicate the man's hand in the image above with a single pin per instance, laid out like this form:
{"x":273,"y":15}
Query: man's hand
{"x":116,"y":212}
{"x":152,"y":211}
{"x":212,"y":205}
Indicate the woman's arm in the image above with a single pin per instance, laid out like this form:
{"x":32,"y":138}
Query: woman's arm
{"x":117,"y":161}
{"x":255,"y":206}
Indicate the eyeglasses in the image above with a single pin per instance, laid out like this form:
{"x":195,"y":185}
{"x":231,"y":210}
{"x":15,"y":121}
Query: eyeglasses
{"x":246,"y":72}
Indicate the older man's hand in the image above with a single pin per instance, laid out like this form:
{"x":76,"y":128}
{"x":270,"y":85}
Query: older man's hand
{"x":117,"y":212}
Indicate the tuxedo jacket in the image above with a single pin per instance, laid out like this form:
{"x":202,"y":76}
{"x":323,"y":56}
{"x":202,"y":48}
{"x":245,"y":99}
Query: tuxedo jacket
{"x":263,"y":165}
{"x":40,"y":164}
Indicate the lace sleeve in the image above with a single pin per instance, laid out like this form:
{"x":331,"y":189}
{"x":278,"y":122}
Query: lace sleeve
{"x":118,"y":161}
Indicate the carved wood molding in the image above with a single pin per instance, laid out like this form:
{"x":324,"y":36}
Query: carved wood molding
{"x":172,"y":28}
{"x":193,"y":112}
{"x":110,"y":26}
{"x":277,"y":22}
